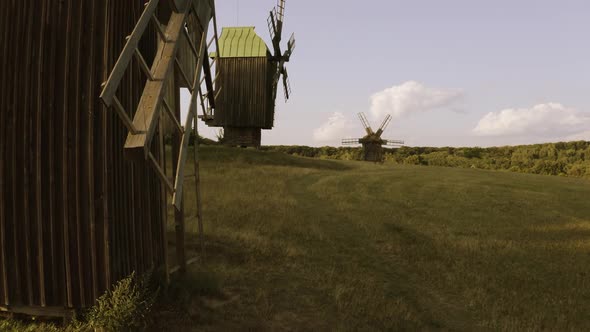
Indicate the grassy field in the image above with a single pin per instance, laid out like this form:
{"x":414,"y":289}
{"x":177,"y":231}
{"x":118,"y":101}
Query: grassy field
{"x":302,"y":244}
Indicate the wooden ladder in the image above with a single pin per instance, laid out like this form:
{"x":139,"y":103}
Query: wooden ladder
{"x":188,"y":25}
{"x":197,"y":15}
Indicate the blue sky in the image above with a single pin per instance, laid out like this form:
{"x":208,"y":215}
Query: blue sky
{"x":453,"y":72}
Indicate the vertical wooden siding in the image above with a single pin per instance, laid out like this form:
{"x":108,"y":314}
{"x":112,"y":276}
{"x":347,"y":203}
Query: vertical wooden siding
{"x":74,"y":215}
{"x":245,"y":98}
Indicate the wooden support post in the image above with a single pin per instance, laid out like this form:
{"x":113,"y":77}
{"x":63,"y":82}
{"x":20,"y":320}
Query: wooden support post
{"x":198,"y":189}
{"x":179,"y":210}
{"x":164,"y":199}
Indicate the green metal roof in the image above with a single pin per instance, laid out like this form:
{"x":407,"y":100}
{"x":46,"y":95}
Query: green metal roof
{"x":241,"y":42}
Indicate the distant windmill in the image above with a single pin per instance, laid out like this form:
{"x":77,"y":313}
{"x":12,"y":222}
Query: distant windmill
{"x":248,"y":78}
{"x":372,"y":142}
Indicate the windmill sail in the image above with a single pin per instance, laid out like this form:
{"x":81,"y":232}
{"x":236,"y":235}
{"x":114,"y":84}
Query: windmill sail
{"x":384,"y":125}
{"x":275,"y":27}
{"x":286,"y":85}
{"x":365,"y":123}
{"x":351,"y":141}
{"x":393,"y":142}
{"x":290,"y":46}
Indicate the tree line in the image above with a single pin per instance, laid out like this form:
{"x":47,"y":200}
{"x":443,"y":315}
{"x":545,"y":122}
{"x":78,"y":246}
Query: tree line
{"x":563,"y":158}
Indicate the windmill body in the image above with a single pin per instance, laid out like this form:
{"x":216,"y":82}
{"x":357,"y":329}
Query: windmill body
{"x":372,"y":148}
{"x":372,"y":142}
{"x":85,"y":89}
{"x":248,"y":74}
{"x":244,"y":105}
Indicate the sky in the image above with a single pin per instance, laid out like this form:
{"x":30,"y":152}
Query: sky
{"x":451,"y":73}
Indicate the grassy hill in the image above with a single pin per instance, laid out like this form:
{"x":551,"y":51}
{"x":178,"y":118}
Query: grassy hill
{"x":296,"y":243}
{"x":307,"y":244}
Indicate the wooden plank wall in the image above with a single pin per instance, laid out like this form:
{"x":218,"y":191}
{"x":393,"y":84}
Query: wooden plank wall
{"x":246,"y":101}
{"x":74,"y":215}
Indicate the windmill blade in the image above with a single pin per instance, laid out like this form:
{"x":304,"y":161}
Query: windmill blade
{"x":275,"y":82}
{"x":286,"y":84}
{"x":281,"y":10}
{"x":275,"y":26}
{"x":384,"y":125}
{"x":272,"y":24}
{"x":365,"y":123}
{"x":351,"y":141}
{"x":290,"y":47}
{"x":393,"y":142}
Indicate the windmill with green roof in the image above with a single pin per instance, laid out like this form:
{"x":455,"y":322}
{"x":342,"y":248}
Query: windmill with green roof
{"x":247,"y":77}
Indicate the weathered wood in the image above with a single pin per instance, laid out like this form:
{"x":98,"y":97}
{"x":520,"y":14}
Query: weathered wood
{"x":64,"y":176}
{"x":163,"y":205}
{"x":208,"y":80}
{"x":176,"y":199}
{"x":75,"y":216}
{"x":143,"y":64}
{"x":14,"y":143}
{"x":103,"y":165}
{"x":160,"y":171}
{"x":4,"y":29}
{"x":172,"y":117}
{"x":36,"y":311}
{"x":123,"y":62}
{"x":38,"y":169}
{"x":198,"y":190}
{"x":92,"y":41}
{"x":75,"y":157}
{"x":179,"y":210}
{"x":245,"y":102}
{"x":145,"y":119}
{"x":25,"y":161}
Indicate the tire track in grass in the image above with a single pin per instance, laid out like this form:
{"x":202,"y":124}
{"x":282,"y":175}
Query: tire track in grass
{"x":346,"y":245}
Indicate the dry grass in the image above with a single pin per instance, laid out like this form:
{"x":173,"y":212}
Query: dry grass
{"x":300,"y":244}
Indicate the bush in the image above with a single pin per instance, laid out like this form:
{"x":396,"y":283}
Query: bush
{"x":126,"y":307}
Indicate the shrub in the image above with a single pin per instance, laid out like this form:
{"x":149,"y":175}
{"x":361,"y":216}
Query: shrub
{"x":125,"y":307}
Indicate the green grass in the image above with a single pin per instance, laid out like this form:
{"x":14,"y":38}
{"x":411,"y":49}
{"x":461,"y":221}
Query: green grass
{"x":303,"y":244}
{"x":307,"y":244}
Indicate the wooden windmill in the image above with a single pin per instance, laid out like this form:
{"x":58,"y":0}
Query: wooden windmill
{"x":76,"y":215}
{"x":372,"y":142}
{"x":248,"y":77}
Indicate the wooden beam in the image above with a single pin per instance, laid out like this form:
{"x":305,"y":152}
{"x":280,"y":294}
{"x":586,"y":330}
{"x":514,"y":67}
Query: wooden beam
{"x":189,"y":120}
{"x":65,"y":172}
{"x":163,"y":200}
{"x":145,"y":120}
{"x":118,"y":71}
{"x":39,"y":311}
{"x":208,"y":81}
{"x":179,"y":211}
{"x":198,"y":190}
{"x":94,"y":26}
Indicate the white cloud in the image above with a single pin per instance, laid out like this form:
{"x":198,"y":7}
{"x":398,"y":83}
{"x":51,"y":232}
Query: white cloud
{"x":336,"y":128}
{"x":581,"y":136}
{"x":551,"y":120}
{"x":412,"y":97}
